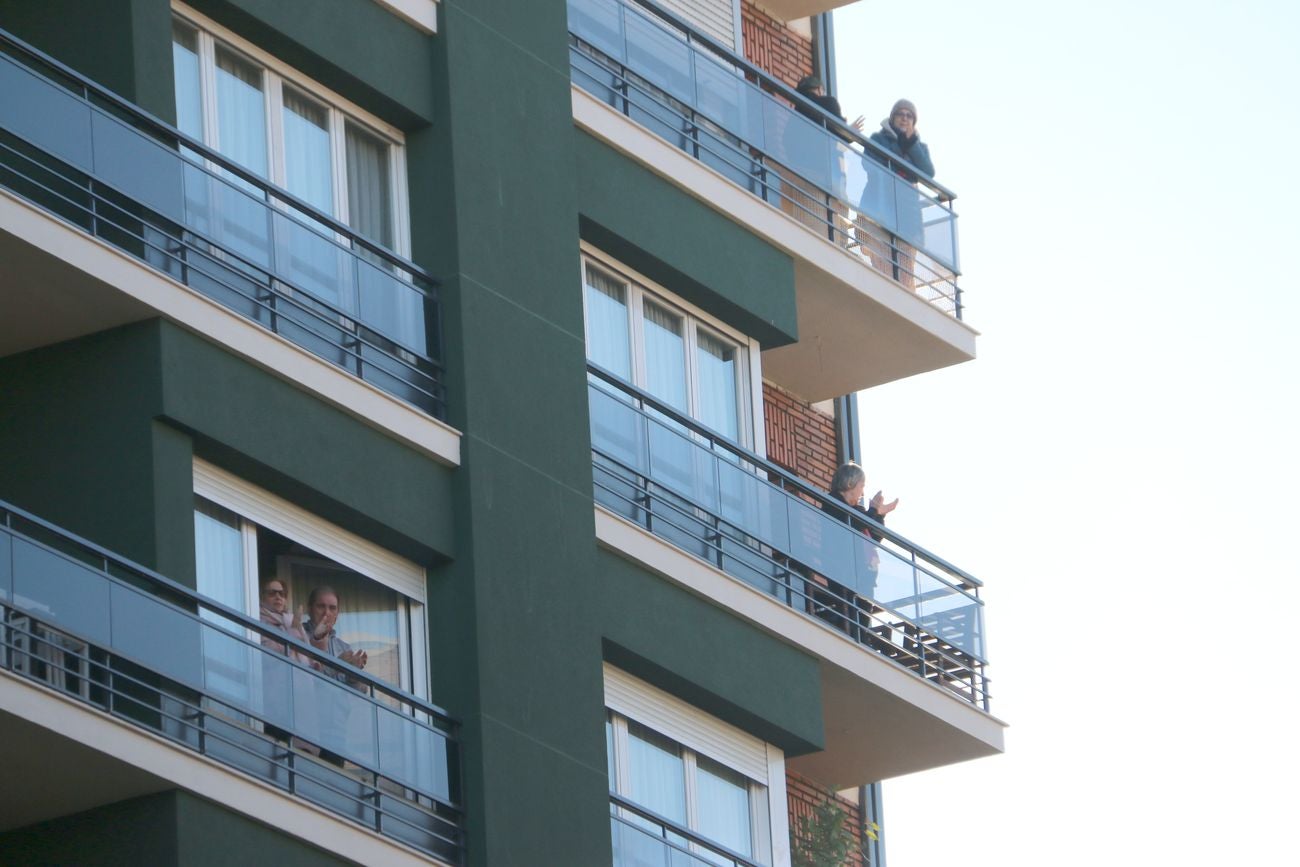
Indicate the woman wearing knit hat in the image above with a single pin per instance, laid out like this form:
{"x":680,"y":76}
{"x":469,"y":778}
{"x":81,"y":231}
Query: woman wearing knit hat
{"x":885,"y":199}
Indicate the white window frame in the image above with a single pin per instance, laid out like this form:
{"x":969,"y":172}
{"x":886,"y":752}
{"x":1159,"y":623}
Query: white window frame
{"x":341,"y":110}
{"x":698,"y":733}
{"x":259,"y":508}
{"x":749,"y":388}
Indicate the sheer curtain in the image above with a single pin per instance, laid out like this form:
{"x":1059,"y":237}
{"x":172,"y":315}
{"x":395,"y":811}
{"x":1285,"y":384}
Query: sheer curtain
{"x":218,"y":554}
{"x":307,"y":170}
{"x":722,"y":797}
{"x":185,"y":69}
{"x":656,"y":773}
{"x":716,"y":364}
{"x":241,"y":109}
{"x":608,"y":344}
{"x":314,"y":261}
{"x":665,"y":356}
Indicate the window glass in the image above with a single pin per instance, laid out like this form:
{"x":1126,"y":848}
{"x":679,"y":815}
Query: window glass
{"x":607,"y":335}
{"x":665,"y":356}
{"x":307,"y":169}
{"x":370,"y":199}
{"x":716,"y":363}
{"x":723,"y":805}
{"x":241,"y":109}
{"x":218,"y":554}
{"x":657,"y":775}
{"x":185,"y":69}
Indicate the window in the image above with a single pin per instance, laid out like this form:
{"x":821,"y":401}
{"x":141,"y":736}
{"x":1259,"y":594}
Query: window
{"x":676,"y":762}
{"x":664,"y":346}
{"x":295,"y":134}
{"x":244,"y":537}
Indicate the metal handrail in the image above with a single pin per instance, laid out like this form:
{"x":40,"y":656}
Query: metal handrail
{"x":173,"y":134}
{"x":175,"y":590}
{"x":833,"y":123}
{"x":858,"y":520}
{"x":619,"y":802}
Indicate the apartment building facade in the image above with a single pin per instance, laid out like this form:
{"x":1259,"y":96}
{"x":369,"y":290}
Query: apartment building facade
{"x":521,"y":332}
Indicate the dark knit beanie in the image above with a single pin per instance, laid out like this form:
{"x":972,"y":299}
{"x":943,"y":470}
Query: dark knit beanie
{"x":903,"y":103}
{"x":808,"y":84}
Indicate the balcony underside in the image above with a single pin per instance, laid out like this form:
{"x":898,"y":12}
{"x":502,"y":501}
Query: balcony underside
{"x":880,"y":719}
{"x":857,"y":327}
{"x":788,"y":10}
{"x":58,"y":283}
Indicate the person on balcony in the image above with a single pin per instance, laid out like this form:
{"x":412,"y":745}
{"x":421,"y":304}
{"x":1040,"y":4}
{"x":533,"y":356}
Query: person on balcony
{"x":889,"y":200}
{"x":275,"y":613}
{"x":848,"y":485}
{"x":806,"y":163}
{"x":323,"y":609}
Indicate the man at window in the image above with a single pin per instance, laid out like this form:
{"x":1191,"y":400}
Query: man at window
{"x":323,"y":611}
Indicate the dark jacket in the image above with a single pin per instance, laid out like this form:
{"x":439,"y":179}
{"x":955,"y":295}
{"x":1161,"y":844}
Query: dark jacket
{"x":911,"y":149}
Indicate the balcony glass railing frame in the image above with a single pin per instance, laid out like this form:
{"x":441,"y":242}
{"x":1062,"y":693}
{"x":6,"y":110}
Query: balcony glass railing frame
{"x":133,"y":688}
{"x":411,"y":373}
{"x":812,"y":589}
{"x":810,"y":201}
{"x":688,"y":850}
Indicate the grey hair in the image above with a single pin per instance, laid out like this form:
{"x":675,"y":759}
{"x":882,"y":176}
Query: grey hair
{"x":317,"y":592}
{"x":846,"y":477}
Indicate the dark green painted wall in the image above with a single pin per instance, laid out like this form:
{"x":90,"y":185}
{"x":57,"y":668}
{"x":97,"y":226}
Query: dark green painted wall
{"x":108,"y":426}
{"x":684,"y":245}
{"x":170,"y":828}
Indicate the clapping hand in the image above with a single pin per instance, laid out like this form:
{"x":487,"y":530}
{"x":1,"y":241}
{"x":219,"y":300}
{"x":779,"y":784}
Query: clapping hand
{"x":880,"y":506}
{"x":354,"y":657}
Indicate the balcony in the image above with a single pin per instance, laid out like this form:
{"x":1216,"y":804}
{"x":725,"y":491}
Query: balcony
{"x":876,"y":258}
{"x":900,"y":631}
{"x":135,"y":647}
{"x":642,"y":837}
{"x":96,"y":162}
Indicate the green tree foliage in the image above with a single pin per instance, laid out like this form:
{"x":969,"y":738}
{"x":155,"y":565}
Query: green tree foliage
{"x":823,"y":839}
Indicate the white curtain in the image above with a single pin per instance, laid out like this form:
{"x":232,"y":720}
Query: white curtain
{"x":722,"y":796}
{"x":370,"y":200}
{"x":607,"y":326}
{"x":657,"y":773}
{"x":218,"y":554}
{"x":241,"y":112}
{"x":716,"y":364}
{"x":665,"y":356}
{"x":185,"y":67}
{"x":307,"y":169}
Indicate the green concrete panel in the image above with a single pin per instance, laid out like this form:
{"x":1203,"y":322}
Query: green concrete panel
{"x":393,"y":78}
{"x":173,"y":498}
{"x":265,"y":430}
{"x":209,"y":835}
{"x":714,"y":660}
{"x":550,"y":810}
{"x":530,"y":27}
{"x":679,"y":242}
{"x":123,"y":45}
{"x":136,"y":831}
{"x":79,"y":415}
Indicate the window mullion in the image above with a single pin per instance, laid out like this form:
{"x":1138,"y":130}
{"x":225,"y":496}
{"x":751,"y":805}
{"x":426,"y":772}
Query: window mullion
{"x":692,"y":794}
{"x":339,"y":165}
{"x":208,"y":89}
{"x":636,"y":324}
{"x":278,"y":170}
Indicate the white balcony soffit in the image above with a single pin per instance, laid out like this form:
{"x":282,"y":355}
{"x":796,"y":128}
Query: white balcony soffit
{"x":58,"y":283}
{"x":880,"y":720}
{"x":420,"y":14}
{"x":787,"y":10}
{"x":857,"y":327}
{"x":75,"y":758}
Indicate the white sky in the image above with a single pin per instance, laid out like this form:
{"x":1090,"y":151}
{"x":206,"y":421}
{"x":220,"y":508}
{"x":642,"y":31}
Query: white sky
{"x":1120,"y":464}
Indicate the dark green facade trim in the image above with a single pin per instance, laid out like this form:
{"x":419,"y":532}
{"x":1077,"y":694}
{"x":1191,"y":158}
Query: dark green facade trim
{"x":687,"y":247}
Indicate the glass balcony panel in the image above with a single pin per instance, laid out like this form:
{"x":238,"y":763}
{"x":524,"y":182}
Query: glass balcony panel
{"x":226,"y":214}
{"x":618,"y":429}
{"x":940,"y":231}
{"x":659,"y":57}
{"x":413,"y":754}
{"x":821,"y":542}
{"x":247,"y":677}
{"x":391,"y":306}
{"x":331,"y":715}
{"x":60,"y":592}
{"x":156,"y":635}
{"x":47,"y":116}
{"x":878,"y":200}
{"x":640,"y":847}
{"x":728,"y":100}
{"x":910,"y":202}
{"x":601,"y":24}
{"x":138,"y":166}
{"x":682,"y":465}
{"x":311,"y":260}
{"x":6,"y":569}
{"x":754,"y":505}
{"x":896,"y":582}
{"x":805,"y":147}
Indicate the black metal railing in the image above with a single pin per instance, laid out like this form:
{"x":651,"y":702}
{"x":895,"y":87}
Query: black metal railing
{"x":759,"y":523}
{"x":134,"y":644}
{"x":641,"y":836}
{"x":105,"y":165}
{"x":742,"y":122}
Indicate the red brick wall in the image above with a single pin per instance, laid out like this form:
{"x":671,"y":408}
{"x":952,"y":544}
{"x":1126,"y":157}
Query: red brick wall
{"x":799,"y":438}
{"x":772,"y":46}
{"x":803,"y":795}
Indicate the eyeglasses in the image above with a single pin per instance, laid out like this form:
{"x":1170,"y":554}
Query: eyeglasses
{"x":275,"y":591}
{"x":905,"y":114}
